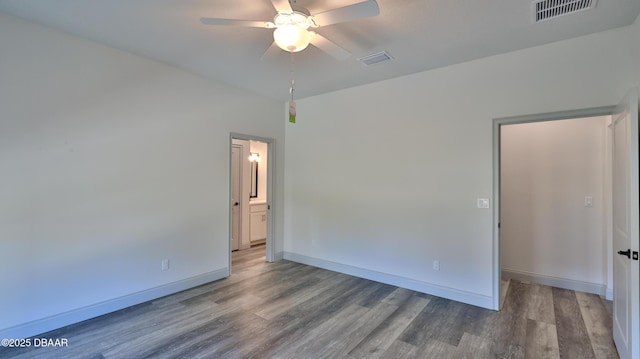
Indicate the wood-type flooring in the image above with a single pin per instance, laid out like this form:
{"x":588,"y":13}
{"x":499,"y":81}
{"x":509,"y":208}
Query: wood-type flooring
{"x":290,"y":310}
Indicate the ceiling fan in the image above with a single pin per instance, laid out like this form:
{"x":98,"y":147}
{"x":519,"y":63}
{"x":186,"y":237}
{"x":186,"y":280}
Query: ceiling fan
{"x":291,"y":26}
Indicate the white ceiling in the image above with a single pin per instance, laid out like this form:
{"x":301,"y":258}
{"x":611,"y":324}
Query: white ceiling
{"x":419,"y":34}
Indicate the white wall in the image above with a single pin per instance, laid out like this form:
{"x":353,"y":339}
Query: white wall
{"x":110,"y":163}
{"x":383,"y":179}
{"x":547,"y":233}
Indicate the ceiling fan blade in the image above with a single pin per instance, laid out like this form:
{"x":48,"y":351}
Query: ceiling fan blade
{"x":272,"y":52}
{"x":357,"y":11}
{"x":282,"y":6}
{"x":245,"y":23}
{"x":329,"y":47}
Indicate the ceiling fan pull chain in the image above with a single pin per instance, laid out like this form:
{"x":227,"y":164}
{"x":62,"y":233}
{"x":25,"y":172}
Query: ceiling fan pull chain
{"x":292,"y":103}
{"x":291,"y":74}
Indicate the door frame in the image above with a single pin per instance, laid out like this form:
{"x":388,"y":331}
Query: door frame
{"x":497,"y":123}
{"x":240,"y":206}
{"x":271,"y":143}
{"x":627,"y":112}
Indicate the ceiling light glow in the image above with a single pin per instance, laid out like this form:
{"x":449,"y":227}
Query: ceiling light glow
{"x":291,"y":34}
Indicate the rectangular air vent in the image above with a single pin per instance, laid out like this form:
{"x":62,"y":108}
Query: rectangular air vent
{"x":549,"y":9}
{"x":375,"y":58}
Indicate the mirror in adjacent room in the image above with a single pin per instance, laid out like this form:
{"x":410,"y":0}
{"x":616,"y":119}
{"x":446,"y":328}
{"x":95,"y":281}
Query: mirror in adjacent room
{"x":254,"y":159}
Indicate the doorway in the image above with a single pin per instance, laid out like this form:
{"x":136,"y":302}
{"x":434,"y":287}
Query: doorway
{"x":554,"y":202}
{"x":497,"y":185}
{"x":623,"y":156}
{"x":250,"y":196}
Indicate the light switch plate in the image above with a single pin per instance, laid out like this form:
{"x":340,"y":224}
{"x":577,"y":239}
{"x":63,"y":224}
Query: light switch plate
{"x":588,"y":201}
{"x":483,"y":203}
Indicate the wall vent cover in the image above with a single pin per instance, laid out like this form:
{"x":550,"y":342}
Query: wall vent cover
{"x":549,"y":9}
{"x":375,"y":58}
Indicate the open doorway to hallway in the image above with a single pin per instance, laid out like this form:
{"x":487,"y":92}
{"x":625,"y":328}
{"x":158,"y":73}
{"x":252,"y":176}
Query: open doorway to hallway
{"x":249,"y":198}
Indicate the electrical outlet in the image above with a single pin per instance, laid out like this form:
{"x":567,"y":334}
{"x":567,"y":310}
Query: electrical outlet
{"x":165,"y":264}
{"x":436,"y":265}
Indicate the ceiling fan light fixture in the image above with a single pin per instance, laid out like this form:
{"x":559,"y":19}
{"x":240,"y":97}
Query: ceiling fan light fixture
{"x":296,"y":17}
{"x":291,"y":37}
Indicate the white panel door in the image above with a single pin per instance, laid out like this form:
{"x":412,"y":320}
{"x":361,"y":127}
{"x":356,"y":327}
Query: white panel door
{"x":626,"y":278}
{"x":236,"y":162}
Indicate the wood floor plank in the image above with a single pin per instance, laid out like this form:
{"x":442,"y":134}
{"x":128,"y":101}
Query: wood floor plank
{"x":322,"y":338}
{"x":472,"y":346}
{"x":399,"y":296}
{"x":479,"y":321}
{"x":608,"y":305}
{"x":382,"y":291}
{"x":211,"y":335}
{"x":540,"y":304}
{"x":435,"y":349}
{"x":256,"y":283}
{"x":95,"y":339}
{"x":286,"y":302}
{"x":166,"y":328}
{"x":400,"y":350}
{"x":508,"y":328}
{"x":504,"y":288}
{"x":441,"y":320}
{"x":312,"y":313}
{"x":573,"y":338}
{"x":542,"y":341}
{"x":235,"y":331}
{"x":598,"y":322}
{"x":453,"y":324}
{"x":90,"y":338}
{"x":263,"y":339}
{"x":361,"y":329}
{"x":380,"y":339}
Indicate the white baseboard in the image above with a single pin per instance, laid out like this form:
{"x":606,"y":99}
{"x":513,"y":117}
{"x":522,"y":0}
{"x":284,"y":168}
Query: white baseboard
{"x":74,"y":316}
{"x":419,"y":286}
{"x":551,"y":281}
{"x":278,"y":256}
{"x":608,"y":295}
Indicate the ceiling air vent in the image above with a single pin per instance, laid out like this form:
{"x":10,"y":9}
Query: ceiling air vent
{"x":549,"y":9}
{"x":375,"y":58}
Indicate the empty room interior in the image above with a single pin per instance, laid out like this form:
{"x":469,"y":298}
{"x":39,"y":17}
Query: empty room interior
{"x":403,"y":179}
